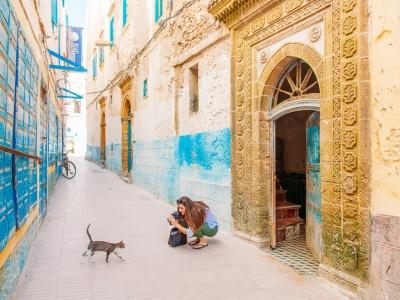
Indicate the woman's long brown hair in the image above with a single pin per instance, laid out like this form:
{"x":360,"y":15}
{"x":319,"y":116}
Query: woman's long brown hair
{"x":195,"y":212}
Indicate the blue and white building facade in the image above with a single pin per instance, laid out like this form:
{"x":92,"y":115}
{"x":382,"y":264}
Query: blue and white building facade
{"x":171,"y":64}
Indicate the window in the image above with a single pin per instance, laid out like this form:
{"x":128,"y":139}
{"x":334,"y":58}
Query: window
{"x":94,"y":67}
{"x":66,"y":20}
{"x":194,"y":88}
{"x":158,"y":10}
{"x":145,"y":88}
{"x":77,"y":107}
{"x":112,"y":31}
{"x":124,"y":12}
{"x":297,"y":81}
{"x":54,"y":13}
{"x":101,"y":57}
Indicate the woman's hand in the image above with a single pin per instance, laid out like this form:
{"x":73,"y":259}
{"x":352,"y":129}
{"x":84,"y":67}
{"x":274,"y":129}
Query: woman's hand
{"x":172,"y":220}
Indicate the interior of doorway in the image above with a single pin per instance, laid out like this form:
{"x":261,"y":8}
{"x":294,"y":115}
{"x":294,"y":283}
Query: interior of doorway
{"x":290,"y":193}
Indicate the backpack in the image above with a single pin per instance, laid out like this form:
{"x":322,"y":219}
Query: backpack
{"x":176,"y":238}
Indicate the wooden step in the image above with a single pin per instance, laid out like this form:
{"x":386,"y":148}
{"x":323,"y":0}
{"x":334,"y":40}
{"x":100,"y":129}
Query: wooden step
{"x":287,"y":205}
{"x":289,"y":228}
{"x":286,"y":210}
{"x":289,"y":221}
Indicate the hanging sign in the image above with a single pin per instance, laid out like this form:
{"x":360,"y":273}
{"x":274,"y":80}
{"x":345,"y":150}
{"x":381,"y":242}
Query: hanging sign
{"x":74,"y":44}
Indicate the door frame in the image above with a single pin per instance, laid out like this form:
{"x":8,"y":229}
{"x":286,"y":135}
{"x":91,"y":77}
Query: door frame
{"x":103,"y":126}
{"x":272,"y":116}
{"x":126,"y":137}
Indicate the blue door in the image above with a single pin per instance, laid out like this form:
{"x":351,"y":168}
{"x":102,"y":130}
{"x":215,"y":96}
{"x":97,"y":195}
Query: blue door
{"x":313,"y":174}
{"x":26,"y":126}
{"x":43,"y":157}
{"x":129,"y":145}
{"x":7,"y":75}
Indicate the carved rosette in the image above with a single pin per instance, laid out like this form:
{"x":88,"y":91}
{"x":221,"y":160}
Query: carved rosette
{"x":349,"y":93}
{"x":349,"y":25}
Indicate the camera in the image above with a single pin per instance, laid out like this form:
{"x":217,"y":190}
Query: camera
{"x":176,"y":215}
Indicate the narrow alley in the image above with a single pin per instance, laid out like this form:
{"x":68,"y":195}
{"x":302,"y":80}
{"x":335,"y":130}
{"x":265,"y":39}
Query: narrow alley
{"x":228,"y":269}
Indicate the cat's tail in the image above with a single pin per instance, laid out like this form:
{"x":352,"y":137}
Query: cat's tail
{"x":87,"y":231}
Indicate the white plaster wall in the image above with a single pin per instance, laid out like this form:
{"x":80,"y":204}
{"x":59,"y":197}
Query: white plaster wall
{"x":127,"y":41}
{"x":214,"y":90}
{"x":154,"y":115}
{"x":384,"y":42}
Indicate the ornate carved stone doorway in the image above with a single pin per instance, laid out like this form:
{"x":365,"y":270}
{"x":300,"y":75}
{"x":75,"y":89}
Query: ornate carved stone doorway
{"x":288,"y":30}
{"x":102,"y":131}
{"x":126,"y":126}
{"x":295,"y":93}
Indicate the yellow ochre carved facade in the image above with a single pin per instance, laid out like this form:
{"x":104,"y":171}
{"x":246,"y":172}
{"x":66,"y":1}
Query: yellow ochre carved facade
{"x":331,"y":37}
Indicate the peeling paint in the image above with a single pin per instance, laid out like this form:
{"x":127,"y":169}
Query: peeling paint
{"x":13,"y":267}
{"x":194,"y":165}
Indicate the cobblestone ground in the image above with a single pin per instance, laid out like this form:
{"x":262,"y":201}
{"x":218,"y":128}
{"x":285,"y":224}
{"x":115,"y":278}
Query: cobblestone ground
{"x":228,"y":268}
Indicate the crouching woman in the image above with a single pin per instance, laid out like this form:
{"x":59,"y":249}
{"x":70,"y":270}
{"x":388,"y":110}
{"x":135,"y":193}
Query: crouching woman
{"x":200,"y":220}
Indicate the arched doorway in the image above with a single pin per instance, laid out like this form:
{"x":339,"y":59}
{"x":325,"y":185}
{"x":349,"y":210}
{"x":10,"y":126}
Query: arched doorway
{"x":126,"y":124}
{"x":102,"y":132}
{"x":294,"y":115}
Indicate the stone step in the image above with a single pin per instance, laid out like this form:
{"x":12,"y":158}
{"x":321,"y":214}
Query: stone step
{"x":287,"y":205}
{"x":289,"y":228}
{"x":289,"y":221}
{"x":287,"y":210}
{"x":126,"y":179}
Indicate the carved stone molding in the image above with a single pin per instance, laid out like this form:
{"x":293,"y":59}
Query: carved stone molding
{"x":257,"y":21}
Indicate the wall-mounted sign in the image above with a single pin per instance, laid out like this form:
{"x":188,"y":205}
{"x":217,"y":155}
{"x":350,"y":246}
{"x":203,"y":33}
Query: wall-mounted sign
{"x":74,"y":44}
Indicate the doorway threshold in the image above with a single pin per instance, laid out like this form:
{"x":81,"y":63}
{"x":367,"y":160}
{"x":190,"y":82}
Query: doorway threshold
{"x":295,"y":254}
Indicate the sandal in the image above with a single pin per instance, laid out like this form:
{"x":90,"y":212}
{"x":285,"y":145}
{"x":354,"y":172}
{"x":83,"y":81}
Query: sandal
{"x":195,"y":242}
{"x":199,"y":246}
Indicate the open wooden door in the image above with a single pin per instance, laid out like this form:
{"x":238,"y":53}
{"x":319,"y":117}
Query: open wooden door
{"x":313,"y":195}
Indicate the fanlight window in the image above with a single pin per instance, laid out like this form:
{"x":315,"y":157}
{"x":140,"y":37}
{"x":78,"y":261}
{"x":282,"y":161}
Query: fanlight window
{"x":297,"y":81}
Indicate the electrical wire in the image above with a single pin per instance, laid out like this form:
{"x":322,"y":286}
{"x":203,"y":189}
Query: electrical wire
{"x":110,"y":84}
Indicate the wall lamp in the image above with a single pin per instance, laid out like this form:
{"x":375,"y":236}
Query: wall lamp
{"x":104,"y":43}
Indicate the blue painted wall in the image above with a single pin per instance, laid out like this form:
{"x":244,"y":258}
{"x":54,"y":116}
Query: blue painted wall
{"x":198,"y":166}
{"x":155,"y":168}
{"x":14,"y":265}
{"x":19,"y":78}
{"x":93,"y":153}
{"x":114,"y":158}
{"x":204,"y":161}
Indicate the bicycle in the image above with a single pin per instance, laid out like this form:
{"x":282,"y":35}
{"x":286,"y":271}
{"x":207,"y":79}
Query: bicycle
{"x":68,"y":168}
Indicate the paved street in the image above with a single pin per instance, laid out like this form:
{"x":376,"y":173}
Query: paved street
{"x":228,"y":269}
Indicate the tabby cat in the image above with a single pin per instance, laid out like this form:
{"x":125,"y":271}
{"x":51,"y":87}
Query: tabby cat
{"x":95,"y":246}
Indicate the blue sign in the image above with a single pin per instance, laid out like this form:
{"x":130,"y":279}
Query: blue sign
{"x":74,"y":44}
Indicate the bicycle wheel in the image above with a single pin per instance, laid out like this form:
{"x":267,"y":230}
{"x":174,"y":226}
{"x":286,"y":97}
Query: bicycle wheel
{"x":68,"y":169}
